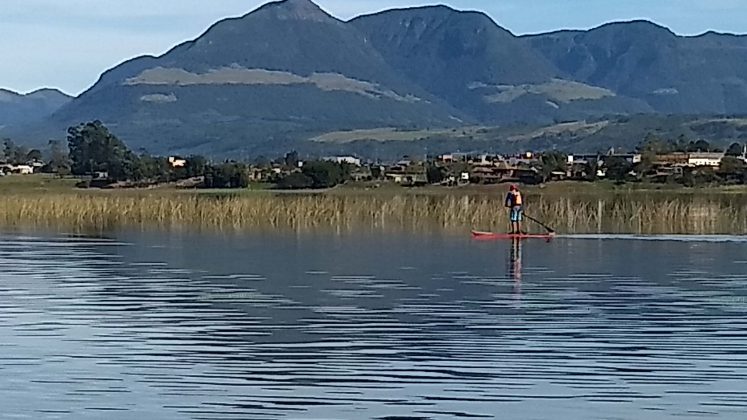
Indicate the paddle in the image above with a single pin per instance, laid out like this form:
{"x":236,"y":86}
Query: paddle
{"x":549,"y":229}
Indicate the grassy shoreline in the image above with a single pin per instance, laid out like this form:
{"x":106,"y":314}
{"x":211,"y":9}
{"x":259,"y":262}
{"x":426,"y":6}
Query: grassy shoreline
{"x":55,"y":204}
{"x":42,"y":183}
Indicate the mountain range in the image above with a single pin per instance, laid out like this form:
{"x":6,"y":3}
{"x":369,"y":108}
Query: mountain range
{"x":285,"y":74}
{"x":16,"y":108}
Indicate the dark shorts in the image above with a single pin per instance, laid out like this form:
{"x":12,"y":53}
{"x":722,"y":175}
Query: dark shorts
{"x":517,"y":214}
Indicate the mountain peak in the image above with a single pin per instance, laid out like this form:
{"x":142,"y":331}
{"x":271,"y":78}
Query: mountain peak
{"x":48,"y":93}
{"x":637,"y":26}
{"x":425,"y":18}
{"x":296,"y":10}
{"x":439,"y":11}
{"x":8,"y":95}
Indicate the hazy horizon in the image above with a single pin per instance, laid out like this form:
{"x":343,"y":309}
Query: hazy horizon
{"x":53,"y":45}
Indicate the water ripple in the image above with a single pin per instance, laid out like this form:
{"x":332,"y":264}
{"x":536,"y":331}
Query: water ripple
{"x":132,"y":328}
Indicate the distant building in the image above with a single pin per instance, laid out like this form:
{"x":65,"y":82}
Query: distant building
{"x":362,"y":174}
{"x":351,"y":160}
{"x":452,"y":157}
{"x":630,"y":157}
{"x":257,"y":174}
{"x":406,"y":173}
{"x":489,"y":159}
{"x":408,"y":179}
{"x":177,"y":162}
{"x":404,"y":163}
{"x":583,"y":159}
{"x":523,"y":159}
{"x":577,"y":159}
{"x":705,"y":159}
{"x":23,"y":169}
{"x":672,"y":159}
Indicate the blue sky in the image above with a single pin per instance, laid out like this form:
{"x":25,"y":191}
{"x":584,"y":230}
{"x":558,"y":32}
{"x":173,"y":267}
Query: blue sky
{"x":68,"y":43}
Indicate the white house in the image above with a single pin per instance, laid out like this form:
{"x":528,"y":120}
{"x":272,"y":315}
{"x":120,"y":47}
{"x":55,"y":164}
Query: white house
{"x":352,"y":160}
{"x":452,"y":157}
{"x":599,"y":158}
{"x":23,"y":169}
{"x":177,"y":162}
{"x":705,"y":159}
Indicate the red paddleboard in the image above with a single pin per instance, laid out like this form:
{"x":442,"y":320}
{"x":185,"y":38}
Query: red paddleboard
{"x":490,"y":236}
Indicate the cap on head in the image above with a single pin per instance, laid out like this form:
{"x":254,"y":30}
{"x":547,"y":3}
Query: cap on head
{"x":513,"y":187}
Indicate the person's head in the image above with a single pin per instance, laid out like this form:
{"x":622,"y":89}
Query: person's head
{"x":513,"y":187}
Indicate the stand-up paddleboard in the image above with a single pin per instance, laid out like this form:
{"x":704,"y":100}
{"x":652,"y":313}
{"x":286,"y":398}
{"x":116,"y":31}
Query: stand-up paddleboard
{"x":491,"y":236}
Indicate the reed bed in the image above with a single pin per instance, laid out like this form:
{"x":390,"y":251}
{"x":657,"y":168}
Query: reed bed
{"x":613,"y":213}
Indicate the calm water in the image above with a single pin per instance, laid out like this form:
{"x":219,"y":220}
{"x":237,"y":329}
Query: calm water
{"x":186,"y":326}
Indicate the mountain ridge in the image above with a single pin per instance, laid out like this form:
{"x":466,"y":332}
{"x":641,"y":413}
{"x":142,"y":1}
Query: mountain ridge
{"x":30,"y":107}
{"x":288,"y":71}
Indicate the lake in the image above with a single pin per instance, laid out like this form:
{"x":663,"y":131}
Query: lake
{"x":315,"y":325}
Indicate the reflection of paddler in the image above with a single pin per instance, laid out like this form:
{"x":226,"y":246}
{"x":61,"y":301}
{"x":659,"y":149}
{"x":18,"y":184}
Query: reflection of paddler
{"x":514,"y":266}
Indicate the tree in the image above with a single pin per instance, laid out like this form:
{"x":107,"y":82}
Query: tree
{"x":227,"y":175}
{"x":699,"y":146}
{"x":731,"y":166}
{"x":326,"y":174}
{"x":296,"y":181}
{"x":8,"y":148}
{"x":261,"y":161}
{"x":435,"y":174}
{"x":681,"y":144}
{"x":93,"y":148}
{"x":13,"y":153}
{"x":553,"y":161}
{"x":590,"y":169}
{"x":34,"y":155}
{"x":653,"y":144}
{"x":291,"y":159}
{"x":618,"y":168}
{"x":59,"y":160}
{"x":20,"y":155}
{"x":735,"y":149}
{"x":146,"y":167}
{"x":196,"y":166}
{"x":648,"y":160}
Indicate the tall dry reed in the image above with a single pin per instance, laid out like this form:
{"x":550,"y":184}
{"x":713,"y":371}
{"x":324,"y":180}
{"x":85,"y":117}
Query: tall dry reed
{"x":613,"y":213}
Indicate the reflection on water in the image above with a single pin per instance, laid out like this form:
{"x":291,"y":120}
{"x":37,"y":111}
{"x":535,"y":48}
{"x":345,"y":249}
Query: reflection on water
{"x":175,"y":326}
{"x":514,"y":264}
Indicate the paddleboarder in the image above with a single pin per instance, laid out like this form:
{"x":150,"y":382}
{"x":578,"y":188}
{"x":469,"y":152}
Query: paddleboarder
{"x":515,"y":202}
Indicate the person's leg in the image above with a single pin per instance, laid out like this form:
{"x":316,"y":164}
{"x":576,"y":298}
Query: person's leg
{"x":514,"y":220}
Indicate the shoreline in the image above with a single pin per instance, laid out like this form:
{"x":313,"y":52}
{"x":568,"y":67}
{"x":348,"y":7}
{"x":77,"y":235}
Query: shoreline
{"x":42,"y":183}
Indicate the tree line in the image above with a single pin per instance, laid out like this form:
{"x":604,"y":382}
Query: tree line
{"x":96,"y":153}
{"x":92,"y":150}
{"x":732,"y":169}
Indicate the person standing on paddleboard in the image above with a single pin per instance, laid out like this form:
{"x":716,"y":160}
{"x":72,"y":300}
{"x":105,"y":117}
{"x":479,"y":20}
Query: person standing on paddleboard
{"x":515,"y":202}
